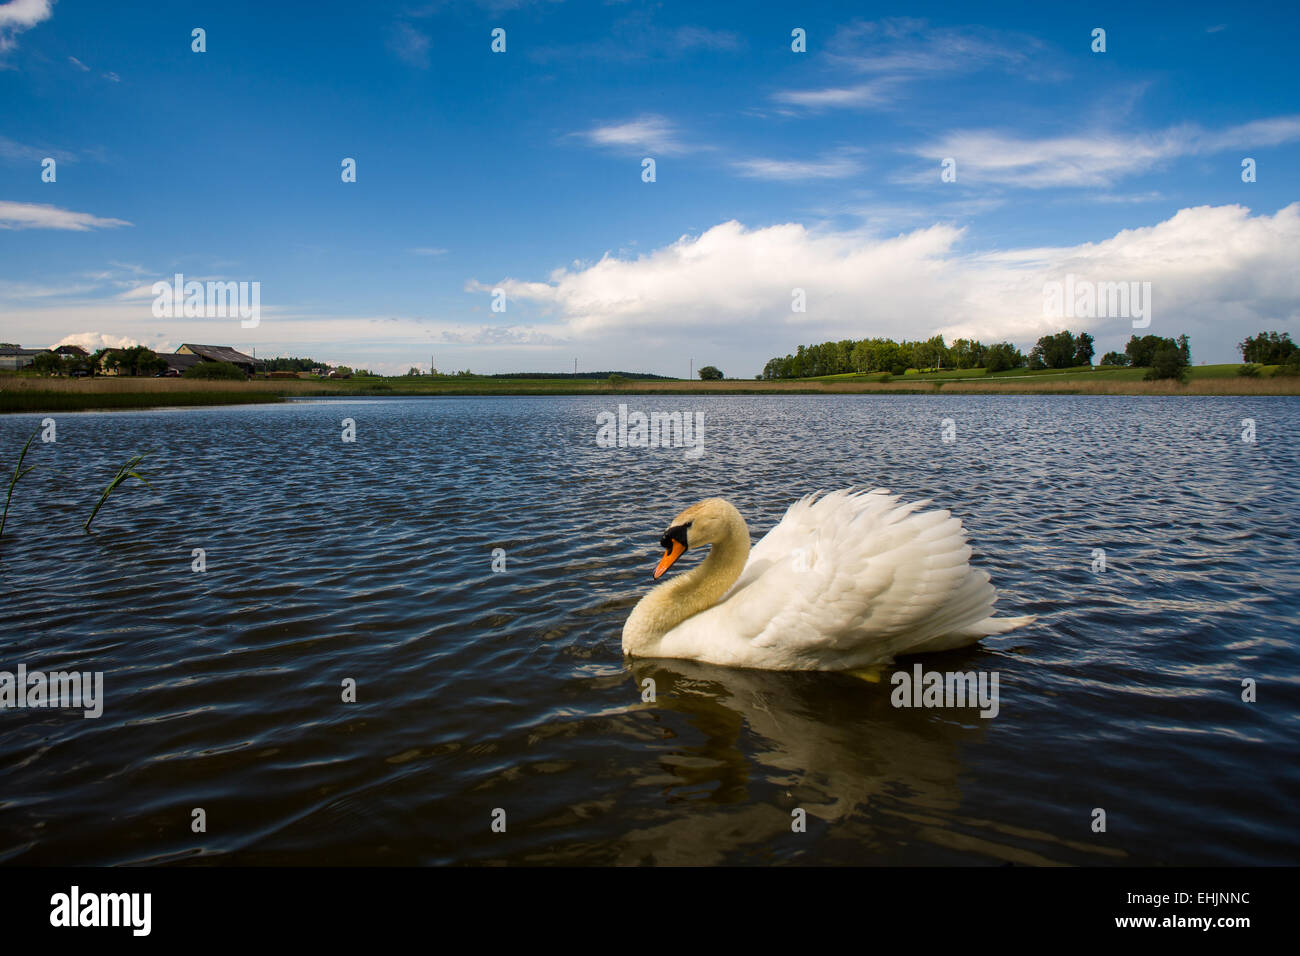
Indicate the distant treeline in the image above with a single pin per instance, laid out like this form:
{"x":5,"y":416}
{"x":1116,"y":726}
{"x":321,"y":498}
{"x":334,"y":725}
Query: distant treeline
{"x":1269,"y":348}
{"x":1059,"y":351}
{"x":580,"y":375}
{"x":291,"y":364}
{"x":886,"y":355}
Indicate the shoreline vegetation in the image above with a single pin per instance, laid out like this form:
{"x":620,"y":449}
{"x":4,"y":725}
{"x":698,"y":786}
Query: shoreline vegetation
{"x":25,"y":392}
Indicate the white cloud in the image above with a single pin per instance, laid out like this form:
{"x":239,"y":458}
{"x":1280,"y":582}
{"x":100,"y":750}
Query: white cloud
{"x":19,"y":15}
{"x":723,"y":297}
{"x":1093,"y":158}
{"x":1265,"y":132}
{"x":428,"y":251}
{"x":733,"y":285}
{"x":92,"y":341}
{"x":78,"y":64}
{"x":112,"y":77}
{"x":645,"y":134}
{"x":876,"y":93}
{"x":30,"y":215}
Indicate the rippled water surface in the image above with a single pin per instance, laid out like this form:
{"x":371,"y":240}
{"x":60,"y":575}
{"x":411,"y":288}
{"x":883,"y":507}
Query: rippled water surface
{"x":479,"y":690}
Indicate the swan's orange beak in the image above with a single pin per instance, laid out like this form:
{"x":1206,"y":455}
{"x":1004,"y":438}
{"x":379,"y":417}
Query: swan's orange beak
{"x":675,"y":550}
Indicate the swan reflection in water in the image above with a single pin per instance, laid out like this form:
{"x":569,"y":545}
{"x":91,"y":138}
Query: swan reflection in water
{"x":744,"y":748}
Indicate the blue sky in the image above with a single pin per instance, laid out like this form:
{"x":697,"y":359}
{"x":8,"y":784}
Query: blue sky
{"x":522,"y":171}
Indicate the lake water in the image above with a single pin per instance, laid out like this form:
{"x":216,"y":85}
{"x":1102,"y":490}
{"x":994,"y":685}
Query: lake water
{"x":480,"y":690}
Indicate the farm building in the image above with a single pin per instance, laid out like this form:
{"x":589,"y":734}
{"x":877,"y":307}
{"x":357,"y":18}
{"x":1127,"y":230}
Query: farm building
{"x":178,"y":362}
{"x":14,"y":357}
{"x":220,"y":353}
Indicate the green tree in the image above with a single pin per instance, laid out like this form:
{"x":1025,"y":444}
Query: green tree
{"x":1083,"y":350}
{"x":1142,"y":350}
{"x":50,"y":363}
{"x":1115,"y":358}
{"x":1169,"y":361}
{"x":136,"y":360}
{"x":710,"y":373}
{"x":965,"y":353}
{"x":1003,"y":356}
{"x":1055,"y":351}
{"x":1268,"y":348}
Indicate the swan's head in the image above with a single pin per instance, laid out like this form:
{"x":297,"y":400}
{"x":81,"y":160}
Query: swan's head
{"x":710,"y":521}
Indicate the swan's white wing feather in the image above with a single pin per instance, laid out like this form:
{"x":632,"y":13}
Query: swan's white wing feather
{"x":846,"y":580}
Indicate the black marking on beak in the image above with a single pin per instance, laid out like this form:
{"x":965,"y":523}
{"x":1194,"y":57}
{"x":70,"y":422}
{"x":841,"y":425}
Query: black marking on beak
{"x":676,"y":533}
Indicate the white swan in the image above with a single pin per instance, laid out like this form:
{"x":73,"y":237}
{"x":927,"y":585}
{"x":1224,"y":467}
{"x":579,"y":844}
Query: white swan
{"x":845,"y":581}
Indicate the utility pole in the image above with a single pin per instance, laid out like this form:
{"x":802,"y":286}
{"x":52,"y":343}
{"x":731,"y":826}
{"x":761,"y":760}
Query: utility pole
{"x":575,"y":365}
{"x":691,"y":375}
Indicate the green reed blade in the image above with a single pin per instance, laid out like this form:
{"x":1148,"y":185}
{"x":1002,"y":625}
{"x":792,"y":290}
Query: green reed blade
{"x":19,"y":472}
{"x":123,"y":473}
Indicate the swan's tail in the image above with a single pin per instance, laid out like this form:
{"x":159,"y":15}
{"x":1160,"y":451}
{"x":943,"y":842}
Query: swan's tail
{"x":1001,"y":625}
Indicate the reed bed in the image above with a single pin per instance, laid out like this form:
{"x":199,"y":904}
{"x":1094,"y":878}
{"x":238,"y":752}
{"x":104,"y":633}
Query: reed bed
{"x":37,"y":400}
{"x":32,"y":394}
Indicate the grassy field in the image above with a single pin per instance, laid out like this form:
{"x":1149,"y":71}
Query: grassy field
{"x":30,"y":393}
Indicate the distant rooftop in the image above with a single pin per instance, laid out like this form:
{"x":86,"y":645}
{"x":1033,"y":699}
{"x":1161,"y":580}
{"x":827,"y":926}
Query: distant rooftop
{"x":217,"y":353}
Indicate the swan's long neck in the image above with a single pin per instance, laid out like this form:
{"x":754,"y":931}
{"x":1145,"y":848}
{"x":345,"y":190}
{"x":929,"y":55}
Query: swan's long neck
{"x":688,"y":594}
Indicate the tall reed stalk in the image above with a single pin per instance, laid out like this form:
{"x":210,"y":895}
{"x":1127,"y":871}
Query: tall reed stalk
{"x":19,"y":471}
{"x":123,"y":473}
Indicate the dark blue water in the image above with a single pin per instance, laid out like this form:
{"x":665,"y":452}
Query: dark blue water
{"x":480,"y":690}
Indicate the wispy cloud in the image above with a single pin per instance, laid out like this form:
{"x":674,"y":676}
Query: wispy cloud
{"x":21,"y":152}
{"x":904,"y":45}
{"x":838,"y":165}
{"x":428,"y":251}
{"x":30,"y":215}
{"x":19,"y":15}
{"x":112,"y":77}
{"x":78,"y":64}
{"x":645,"y":134}
{"x":838,"y":97}
{"x":410,"y":45}
{"x":899,"y":50}
{"x":1094,"y":158}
